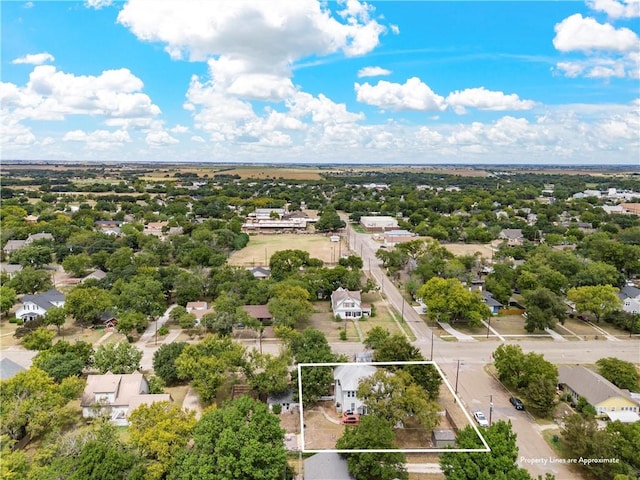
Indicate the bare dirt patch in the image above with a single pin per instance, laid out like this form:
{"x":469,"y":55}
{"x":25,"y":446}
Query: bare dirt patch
{"x":319,"y":431}
{"x":458,"y":249}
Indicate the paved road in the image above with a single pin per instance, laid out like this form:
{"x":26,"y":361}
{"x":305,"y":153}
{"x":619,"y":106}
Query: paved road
{"x":476,"y":388}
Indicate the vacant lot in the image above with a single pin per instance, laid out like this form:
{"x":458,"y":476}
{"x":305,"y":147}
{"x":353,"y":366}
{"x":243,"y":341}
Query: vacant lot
{"x":261,"y":247}
{"x":485,"y":250}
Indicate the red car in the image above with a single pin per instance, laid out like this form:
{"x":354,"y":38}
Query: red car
{"x":349,"y":418}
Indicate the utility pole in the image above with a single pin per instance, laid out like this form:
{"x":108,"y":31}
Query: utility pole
{"x":457,"y":373}
{"x":490,"y":408}
{"x":431,"y":345}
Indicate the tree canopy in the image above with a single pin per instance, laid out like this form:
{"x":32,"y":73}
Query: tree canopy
{"x":242,"y":439}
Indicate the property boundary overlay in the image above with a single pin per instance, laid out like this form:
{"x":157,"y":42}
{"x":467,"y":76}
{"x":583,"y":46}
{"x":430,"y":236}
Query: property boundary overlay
{"x":486,"y":448}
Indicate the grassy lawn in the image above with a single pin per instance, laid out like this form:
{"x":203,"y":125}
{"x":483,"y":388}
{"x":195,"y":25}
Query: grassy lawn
{"x":261,"y":247}
{"x":177,"y":393}
{"x":508,"y":324}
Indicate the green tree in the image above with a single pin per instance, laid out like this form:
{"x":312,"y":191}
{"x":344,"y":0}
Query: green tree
{"x":31,"y":403}
{"x":142,"y":294}
{"x":290,"y":306}
{"x":622,"y":374}
{"x":329,"y":220}
{"x":311,"y":346}
{"x":158,"y":432}
{"x":106,"y":461}
{"x":599,"y":299}
{"x":240,"y":440}
{"x":499,"y":464}
{"x":164,"y":361}
{"x":130,"y":320}
{"x":55,"y":316}
{"x":30,"y":280}
{"x":448,"y":300}
{"x":77,"y":265}
{"x":39,"y":339}
{"x":376,"y":337}
{"x":35,"y":256}
{"x":121,"y":357}
{"x":397,"y":399}
{"x":208,"y":363}
{"x":59,"y":365}
{"x":544,"y":309}
{"x":373,"y":433}
{"x":86,"y":304}
{"x":396,"y":348}
{"x":267,"y":374}
{"x":8,"y":299}
{"x":541,"y":394}
{"x":283,"y":263}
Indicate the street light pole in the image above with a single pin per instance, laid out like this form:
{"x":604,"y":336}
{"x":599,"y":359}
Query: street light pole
{"x":457,"y":373}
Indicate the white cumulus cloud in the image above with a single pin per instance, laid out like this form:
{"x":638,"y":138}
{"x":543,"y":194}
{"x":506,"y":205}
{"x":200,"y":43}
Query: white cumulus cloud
{"x":484,"y":99}
{"x":616,"y":9}
{"x":52,"y":95}
{"x":160,"y":138}
{"x":373,"y":72}
{"x":577,"y":33}
{"x":412,"y":95}
{"x":98,"y":139}
{"x":34,"y":59}
{"x":251,"y":46}
{"x":98,"y":4}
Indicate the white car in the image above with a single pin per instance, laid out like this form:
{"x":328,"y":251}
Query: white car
{"x":481,"y":419}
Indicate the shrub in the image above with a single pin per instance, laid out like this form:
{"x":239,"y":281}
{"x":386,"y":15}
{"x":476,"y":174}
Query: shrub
{"x":276,"y":408}
{"x":343,"y":334}
{"x":163,"y":330}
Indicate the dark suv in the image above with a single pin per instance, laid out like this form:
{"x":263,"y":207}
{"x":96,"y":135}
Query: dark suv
{"x":517,"y":403}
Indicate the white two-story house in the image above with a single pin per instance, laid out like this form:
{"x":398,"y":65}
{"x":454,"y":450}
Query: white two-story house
{"x":346,"y":379}
{"x":347,"y":304}
{"x":34,"y":306}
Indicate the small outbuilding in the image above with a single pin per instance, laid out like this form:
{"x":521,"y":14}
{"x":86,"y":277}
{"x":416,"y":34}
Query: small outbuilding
{"x":443,"y":438}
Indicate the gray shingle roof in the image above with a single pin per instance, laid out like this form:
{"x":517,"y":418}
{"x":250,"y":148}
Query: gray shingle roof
{"x":326,"y":466}
{"x":44,"y":300}
{"x":589,"y":384}
{"x":9,"y":369}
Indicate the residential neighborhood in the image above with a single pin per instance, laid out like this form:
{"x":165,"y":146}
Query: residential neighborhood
{"x":324,"y":317}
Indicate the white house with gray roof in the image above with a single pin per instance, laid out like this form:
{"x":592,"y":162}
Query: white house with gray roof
{"x":630,"y":297}
{"x":348,"y":304}
{"x":346,"y":378}
{"x":34,"y":306}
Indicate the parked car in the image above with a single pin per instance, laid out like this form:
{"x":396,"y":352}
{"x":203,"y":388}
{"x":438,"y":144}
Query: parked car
{"x":517,"y":403}
{"x":481,"y":419}
{"x":350,"y":418}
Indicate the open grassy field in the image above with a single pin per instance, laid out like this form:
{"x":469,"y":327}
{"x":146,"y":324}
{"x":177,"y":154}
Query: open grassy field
{"x":485,"y":250}
{"x":261,"y":247}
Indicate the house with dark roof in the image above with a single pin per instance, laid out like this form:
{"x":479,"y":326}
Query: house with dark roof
{"x":326,"y":465}
{"x":260,"y":272}
{"x":630,"y":297}
{"x":491,"y":302}
{"x":348,"y":304}
{"x":34,"y":306}
{"x":604,"y":396}
{"x":116,"y":396}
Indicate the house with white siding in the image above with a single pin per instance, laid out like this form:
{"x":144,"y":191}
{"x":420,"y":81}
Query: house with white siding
{"x":34,"y":306}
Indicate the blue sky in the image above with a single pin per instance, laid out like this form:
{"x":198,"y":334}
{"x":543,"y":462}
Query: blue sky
{"x":301,"y":81}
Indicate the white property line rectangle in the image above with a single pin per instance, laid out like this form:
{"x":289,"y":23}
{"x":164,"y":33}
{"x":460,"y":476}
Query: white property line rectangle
{"x":486,"y":448}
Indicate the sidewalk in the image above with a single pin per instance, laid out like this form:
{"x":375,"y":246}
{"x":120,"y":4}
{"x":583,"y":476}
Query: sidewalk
{"x":461,"y":337}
